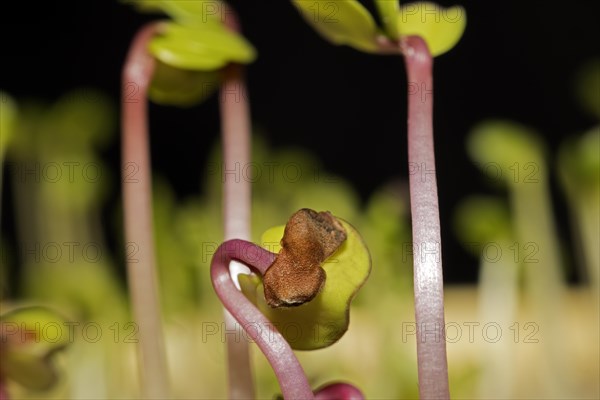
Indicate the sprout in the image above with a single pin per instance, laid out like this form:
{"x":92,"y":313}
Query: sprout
{"x":192,"y":50}
{"x":304,"y":227}
{"x":519,"y":155}
{"x":483,"y":226}
{"x":27,"y":353}
{"x":323,"y":320}
{"x":579,"y":172}
{"x":409,"y":32}
{"x":296,"y":276}
{"x":349,"y":23}
{"x":182,"y":62}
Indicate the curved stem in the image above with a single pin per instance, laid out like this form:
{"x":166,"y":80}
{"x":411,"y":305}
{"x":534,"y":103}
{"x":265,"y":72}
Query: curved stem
{"x":137,"y":204}
{"x":339,"y":391}
{"x":289,"y":372}
{"x":428,"y":282}
{"x":236,"y":137}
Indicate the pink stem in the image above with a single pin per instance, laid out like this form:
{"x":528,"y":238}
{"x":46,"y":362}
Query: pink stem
{"x":3,"y":391}
{"x":289,"y":372}
{"x":236,"y":136}
{"x":235,"y":117}
{"x":339,"y":391}
{"x":137,"y":204}
{"x":428,"y":282}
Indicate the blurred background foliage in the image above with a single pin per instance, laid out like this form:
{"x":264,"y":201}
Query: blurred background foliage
{"x":62,"y":244}
{"x":62,"y":259}
{"x":306,"y":93}
{"x":60,"y":183}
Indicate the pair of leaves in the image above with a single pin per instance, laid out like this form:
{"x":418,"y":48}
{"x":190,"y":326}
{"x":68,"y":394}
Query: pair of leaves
{"x":349,"y":23}
{"x":205,"y":47}
{"x":192,"y":49}
{"x":323,"y":320}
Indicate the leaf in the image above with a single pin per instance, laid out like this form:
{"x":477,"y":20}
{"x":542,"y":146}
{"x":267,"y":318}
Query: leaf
{"x":579,"y":162}
{"x":322,"y":321}
{"x":388,"y":11}
{"x":80,"y":118}
{"x":8,"y":117}
{"x":198,"y":12}
{"x":341,"y":22}
{"x":201,"y":48}
{"x":480,"y":220}
{"x":501,"y":146}
{"x":440,"y":27}
{"x":182,"y":87}
{"x":29,"y":337}
{"x":588,"y":87}
{"x":28,"y":370}
{"x":192,"y":49}
{"x":186,"y":12}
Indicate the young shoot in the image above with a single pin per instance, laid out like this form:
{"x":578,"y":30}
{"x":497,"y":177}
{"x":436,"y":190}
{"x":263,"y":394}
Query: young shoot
{"x":309,"y":240}
{"x":407,"y":32}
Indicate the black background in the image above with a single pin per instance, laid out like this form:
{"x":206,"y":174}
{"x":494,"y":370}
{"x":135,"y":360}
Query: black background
{"x":517,"y":60}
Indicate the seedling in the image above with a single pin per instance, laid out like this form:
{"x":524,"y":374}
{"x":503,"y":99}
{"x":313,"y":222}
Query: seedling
{"x":179,"y":63}
{"x":309,"y":239}
{"x":417,"y":31}
{"x":520,"y":157}
{"x":27,"y":352}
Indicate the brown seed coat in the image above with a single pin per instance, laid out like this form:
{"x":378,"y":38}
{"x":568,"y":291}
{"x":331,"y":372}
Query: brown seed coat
{"x":296,"y":276}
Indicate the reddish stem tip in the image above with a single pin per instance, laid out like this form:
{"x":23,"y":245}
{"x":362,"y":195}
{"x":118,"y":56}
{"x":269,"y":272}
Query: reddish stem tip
{"x":339,"y":391}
